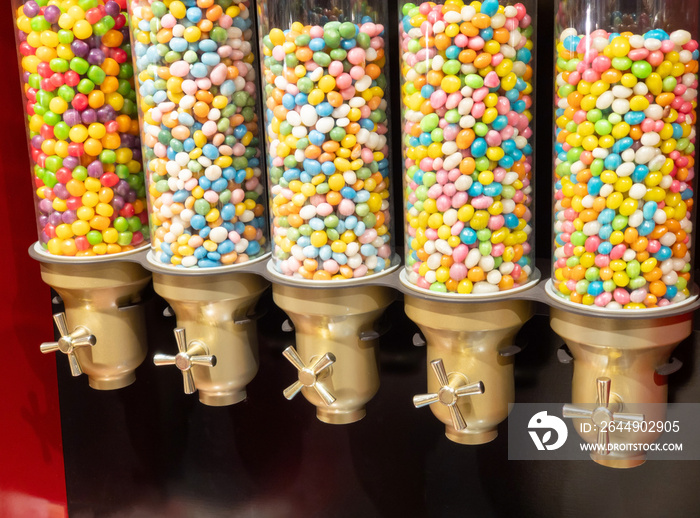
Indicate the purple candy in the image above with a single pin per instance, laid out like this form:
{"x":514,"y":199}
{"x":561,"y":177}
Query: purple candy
{"x":21,"y":36}
{"x":112,"y":8}
{"x":131,"y":196}
{"x":31,"y":9}
{"x":80,"y":48}
{"x":117,"y":203}
{"x":55,"y":218}
{"x":95,"y":57}
{"x":71,"y":162}
{"x":71,"y":117}
{"x":44,"y":237}
{"x":94,"y":169}
{"x":60,"y":190}
{"x":122,"y":188}
{"x":26,"y":76}
{"x":51,"y":13}
{"x":106,"y":113}
{"x":89,"y":116}
{"x":45,"y":206}
{"x":43,"y":220}
{"x":69,"y":216}
{"x":36,"y":141}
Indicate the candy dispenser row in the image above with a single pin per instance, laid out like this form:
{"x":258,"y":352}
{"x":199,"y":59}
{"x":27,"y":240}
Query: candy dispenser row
{"x":625,"y":137}
{"x":467,"y":143}
{"x":82,"y":126}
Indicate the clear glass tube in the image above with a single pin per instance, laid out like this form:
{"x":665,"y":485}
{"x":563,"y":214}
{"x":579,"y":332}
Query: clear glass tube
{"x":624,"y":151}
{"x":467,"y":75}
{"x":324,"y":72}
{"x":196,"y":71}
{"x":82,"y":126}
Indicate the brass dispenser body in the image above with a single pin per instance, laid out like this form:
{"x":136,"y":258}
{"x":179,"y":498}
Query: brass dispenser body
{"x":470,"y":339}
{"x":329,"y":323}
{"x":102,"y":299}
{"x":623,"y":353}
{"x":213,"y":309}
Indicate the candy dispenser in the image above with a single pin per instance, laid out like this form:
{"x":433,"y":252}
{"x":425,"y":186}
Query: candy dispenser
{"x":82,"y":132}
{"x":196,"y":70}
{"x":624,"y":164}
{"x":467,"y":74}
{"x":324,"y":71}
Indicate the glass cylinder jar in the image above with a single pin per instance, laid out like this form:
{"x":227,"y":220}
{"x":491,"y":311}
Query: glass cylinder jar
{"x":82,"y":126}
{"x":196,"y":71}
{"x":325,"y":86}
{"x":624,"y":151}
{"x":468,"y":144}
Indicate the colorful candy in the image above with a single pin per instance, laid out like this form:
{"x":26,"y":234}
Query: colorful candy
{"x":83,"y":127}
{"x":467,"y":155}
{"x":196,"y":76}
{"x":624,"y":165}
{"x":326,"y":125}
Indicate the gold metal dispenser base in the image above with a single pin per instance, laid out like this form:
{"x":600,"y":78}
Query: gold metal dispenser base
{"x":102,"y":307}
{"x":335,"y":351}
{"x":615,"y":363}
{"x":214,"y":312}
{"x":470,"y":370}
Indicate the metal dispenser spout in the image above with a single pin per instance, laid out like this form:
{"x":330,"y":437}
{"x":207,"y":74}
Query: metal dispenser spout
{"x":469,"y":348}
{"x":335,"y":354}
{"x":617,"y":365}
{"x":214,"y":311}
{"x":103,"y":329}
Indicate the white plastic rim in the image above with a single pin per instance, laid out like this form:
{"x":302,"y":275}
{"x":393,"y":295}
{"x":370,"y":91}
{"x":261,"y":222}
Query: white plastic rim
{"x":469,"y":297}
{"x":88,"y":258}
{"x":181,"y":270}
{"x":306,"y":283}
{"x":629,"y":313}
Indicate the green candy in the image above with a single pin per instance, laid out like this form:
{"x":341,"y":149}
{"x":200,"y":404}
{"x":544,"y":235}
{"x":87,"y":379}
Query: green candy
{"x":201,"y":206}
{"x":79,"y":65}
{"x":348,"y":30}
{"x":641,"y":69}
{"x":96,"y":74}
{"x":429,"y":122}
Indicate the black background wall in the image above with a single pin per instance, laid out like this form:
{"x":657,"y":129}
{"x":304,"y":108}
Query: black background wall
{"x":150,"y":451}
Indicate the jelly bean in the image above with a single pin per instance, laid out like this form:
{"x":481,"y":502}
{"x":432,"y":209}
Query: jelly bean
{"x":196,"y":75}
{"x":326,"y":127}
{"x":621,"y":144}
{"x":467,"y":150}
{"x":83,"y":126}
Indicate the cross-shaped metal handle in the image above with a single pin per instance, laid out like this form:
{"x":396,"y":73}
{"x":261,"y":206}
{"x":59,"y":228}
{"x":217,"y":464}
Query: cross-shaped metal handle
{"x":308,"y":375}
{"x":194,"y":353}
{"x":68,"y":342}
{"x":601,"y":415}
{"x":449,"y":394}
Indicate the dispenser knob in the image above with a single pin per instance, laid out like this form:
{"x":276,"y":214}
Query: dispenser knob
{"x":308,"y":375}
{"x":601,"y":414}
{"x":449,"y":394}
{"x":194,"y":353}
{"x":68,"y":342}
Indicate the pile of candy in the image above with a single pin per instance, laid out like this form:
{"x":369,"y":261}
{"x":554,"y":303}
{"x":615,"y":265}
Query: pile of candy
{"x":625,"y":158}
{"x":196,"y":82}
{"x":83,"y":126}
{"x":466,"y":97}
{"x":326,"y":125}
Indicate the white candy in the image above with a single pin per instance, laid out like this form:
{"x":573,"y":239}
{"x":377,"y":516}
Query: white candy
{"x":473,"y":258}
{"x":308,"y":115}
{"x":218,"y":234}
